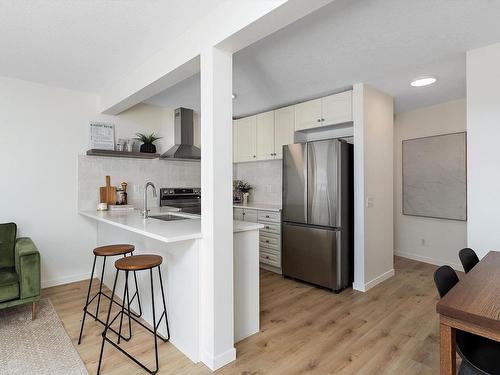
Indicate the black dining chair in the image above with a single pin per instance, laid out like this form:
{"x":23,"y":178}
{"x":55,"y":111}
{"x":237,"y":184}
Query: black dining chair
{"x":468,"y":258}
{"x":479,"y":355}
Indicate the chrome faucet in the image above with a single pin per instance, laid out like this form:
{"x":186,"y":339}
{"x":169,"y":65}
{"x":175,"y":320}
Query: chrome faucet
{"x":145,"y":211}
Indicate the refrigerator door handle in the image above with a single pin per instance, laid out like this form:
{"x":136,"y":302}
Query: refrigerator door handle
{"x":338,"y":206}
{"x":311,"y":177}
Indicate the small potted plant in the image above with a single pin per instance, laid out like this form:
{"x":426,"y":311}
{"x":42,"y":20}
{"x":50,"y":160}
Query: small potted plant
{"x":244,"y":188}
{"x":147,"y":142}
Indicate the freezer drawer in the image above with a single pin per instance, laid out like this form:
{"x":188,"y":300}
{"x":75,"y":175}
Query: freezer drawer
{"x":310,"y":254}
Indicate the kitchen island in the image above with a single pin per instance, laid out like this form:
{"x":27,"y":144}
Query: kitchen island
{"x":178,"y":242}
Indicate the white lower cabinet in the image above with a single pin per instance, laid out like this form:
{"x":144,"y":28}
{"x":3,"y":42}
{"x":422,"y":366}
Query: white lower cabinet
{"x":269,"y":236}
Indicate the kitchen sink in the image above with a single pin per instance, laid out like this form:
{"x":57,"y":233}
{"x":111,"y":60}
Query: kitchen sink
{"x":168,"y":217}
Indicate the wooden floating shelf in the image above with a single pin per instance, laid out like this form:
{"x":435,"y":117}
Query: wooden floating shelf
{"x":122,"y":154}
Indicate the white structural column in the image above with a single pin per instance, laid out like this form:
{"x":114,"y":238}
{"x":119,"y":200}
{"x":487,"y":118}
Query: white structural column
{"x":373,"y":117}
{"x":216,"y":252}
{"x":483,"y":153}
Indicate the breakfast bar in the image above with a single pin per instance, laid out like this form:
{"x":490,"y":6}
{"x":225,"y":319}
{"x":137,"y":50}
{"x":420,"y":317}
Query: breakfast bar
{"x":176,"y":237}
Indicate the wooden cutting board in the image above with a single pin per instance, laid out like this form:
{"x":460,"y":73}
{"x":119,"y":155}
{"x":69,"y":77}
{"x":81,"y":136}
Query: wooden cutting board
{"x":107,"y":194}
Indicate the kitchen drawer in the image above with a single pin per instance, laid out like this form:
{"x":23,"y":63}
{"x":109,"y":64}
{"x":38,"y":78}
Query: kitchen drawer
{"x":271,"y":228}
{"x":275,"y":238}
{"x":270,"y":258}
{"x":270,"y":242}
{"x":269,"y":216}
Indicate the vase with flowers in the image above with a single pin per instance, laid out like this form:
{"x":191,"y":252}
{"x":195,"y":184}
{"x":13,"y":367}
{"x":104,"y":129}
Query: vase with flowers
{"x":244,"y":188}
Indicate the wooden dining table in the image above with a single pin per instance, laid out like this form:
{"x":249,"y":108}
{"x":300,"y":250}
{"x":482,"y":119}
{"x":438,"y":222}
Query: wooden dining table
{"x":472,"y":305}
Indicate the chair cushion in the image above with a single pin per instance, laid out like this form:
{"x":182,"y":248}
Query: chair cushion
{"x":7,"y":243}
{"x":9,"y":284}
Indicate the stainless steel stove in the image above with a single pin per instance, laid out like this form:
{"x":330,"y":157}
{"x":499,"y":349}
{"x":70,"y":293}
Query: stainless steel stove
{"x":186,"y":199}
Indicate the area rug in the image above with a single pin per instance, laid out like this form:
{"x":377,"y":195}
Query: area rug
{"x":39,"y":347}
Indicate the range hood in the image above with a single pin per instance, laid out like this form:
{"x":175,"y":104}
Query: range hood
{"x":183,"y":138}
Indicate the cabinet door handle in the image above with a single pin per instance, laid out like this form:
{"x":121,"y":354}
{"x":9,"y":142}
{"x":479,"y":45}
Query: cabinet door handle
{"x":243,"y":214}
{"x":267,"y":241}
{"x":254,"y":156}
{"x":267,"y":216}
{"x":322,"y":119}
{"x":267,"y":227}
{"x":319,"y":120}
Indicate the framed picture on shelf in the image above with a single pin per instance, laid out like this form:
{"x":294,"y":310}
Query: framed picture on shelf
{"x":102,"y":135}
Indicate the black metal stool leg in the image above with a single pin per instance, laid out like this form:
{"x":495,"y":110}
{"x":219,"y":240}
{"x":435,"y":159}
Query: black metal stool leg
{"x":164,"y":304}
{"x":136,"y":294}
{"x":100,"y":289}
{"x":154,"y":320}
{"x":86,"y":302}
{"x":125,"y":294}
{"x":107,"y":323}
{"x":128,"y":311}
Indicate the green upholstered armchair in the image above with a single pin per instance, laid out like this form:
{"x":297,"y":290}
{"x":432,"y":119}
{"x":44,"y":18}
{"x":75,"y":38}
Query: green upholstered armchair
{"x":19,"y":269}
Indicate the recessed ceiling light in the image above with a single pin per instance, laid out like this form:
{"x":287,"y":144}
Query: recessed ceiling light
{"x":233,"y":96}
{"x":423,"y":81}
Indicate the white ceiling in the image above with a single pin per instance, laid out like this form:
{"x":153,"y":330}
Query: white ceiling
{"x":88,"y":44}
{"x":385,"y":43}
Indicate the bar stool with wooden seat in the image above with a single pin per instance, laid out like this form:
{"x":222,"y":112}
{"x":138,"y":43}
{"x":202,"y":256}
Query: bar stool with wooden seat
{"x":136,"y":263}
{"x":105,"y":252}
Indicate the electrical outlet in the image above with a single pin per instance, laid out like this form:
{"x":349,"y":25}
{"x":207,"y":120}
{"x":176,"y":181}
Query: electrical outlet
{"x":369,"y":202}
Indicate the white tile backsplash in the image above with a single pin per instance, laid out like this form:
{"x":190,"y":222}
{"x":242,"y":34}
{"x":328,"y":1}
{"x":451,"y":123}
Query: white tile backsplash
{"x":92,"y":171}
{"x":264,"y":176}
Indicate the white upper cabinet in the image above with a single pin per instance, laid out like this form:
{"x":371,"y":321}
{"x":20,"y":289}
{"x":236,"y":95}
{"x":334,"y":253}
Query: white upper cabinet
{"x":329,"y":110}
{"x":284,"y":127}
{"x":337,"y":108}
{"x":265,"y":135}
{"x":246,"y":139}
{"x":308,"y":114}
{"x":262,"y":137}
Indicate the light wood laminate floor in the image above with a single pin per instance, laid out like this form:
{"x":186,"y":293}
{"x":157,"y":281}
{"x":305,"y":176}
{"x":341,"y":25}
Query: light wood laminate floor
{"x":391,"y":329}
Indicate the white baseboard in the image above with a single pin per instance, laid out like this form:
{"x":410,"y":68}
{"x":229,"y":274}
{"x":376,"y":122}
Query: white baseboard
{"x":429,"y":260}
{"x":215,"y":363}
{"x":370,"y":284}
{"x":65,"y":280}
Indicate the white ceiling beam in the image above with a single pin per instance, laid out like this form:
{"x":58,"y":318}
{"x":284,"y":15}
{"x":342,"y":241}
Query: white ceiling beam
{"x":232,"y":26}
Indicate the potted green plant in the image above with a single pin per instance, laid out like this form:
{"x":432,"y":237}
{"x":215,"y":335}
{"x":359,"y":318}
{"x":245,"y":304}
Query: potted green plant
{"x":147,"y":142}
{"x":244,"y":188}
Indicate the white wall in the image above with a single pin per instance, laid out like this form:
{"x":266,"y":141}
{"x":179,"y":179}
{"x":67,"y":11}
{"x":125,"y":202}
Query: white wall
{"x":483,"y":151}
{"x":43,"y":130}
{"x":422,"y":238}
{"x":373,"y":180}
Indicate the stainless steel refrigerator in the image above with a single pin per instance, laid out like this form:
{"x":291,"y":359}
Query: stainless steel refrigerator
{"x":318,"y":217}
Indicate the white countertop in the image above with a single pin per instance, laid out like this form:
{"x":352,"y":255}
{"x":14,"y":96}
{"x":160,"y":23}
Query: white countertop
{"x":165,"y":231}
{"x":259,"y":206}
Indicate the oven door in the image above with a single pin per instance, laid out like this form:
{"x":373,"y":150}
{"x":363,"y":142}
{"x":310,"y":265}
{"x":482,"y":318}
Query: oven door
{"x":186,"y":203}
